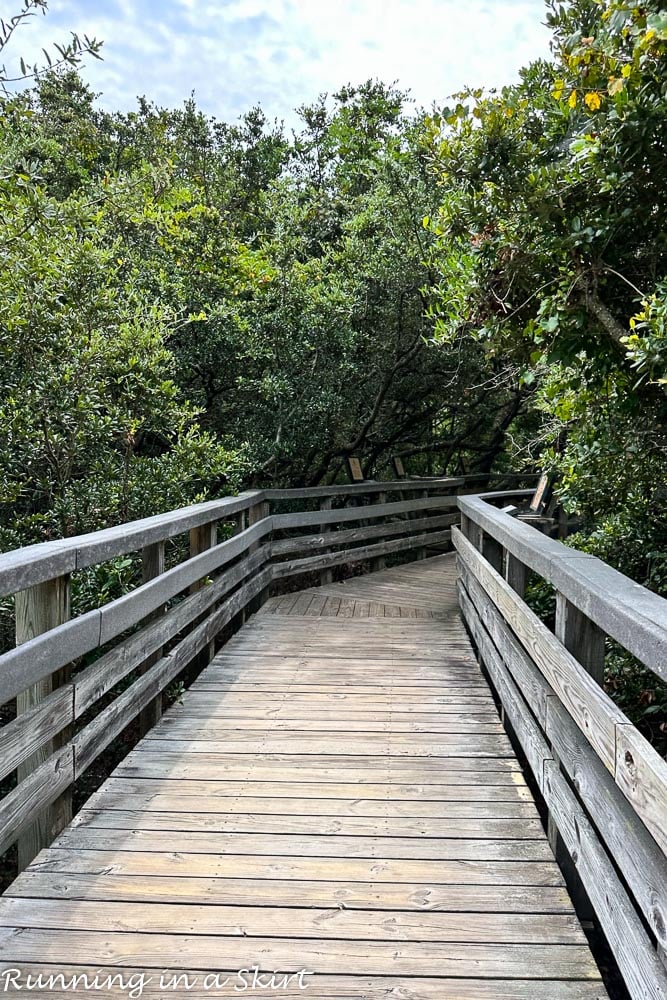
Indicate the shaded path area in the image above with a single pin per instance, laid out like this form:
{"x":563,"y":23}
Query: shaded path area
{"x":335,"y":793}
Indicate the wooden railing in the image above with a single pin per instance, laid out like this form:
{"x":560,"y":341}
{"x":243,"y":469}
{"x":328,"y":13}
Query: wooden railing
{"x":78,"y":682}
{"x":603,"y":784}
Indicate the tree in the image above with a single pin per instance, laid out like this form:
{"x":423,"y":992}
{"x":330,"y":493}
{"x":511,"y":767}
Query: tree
{"x":551,"y":246}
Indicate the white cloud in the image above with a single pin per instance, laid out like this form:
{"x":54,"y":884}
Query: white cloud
{"x":283,"y":53}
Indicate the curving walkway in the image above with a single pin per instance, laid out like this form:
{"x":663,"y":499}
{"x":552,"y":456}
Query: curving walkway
{"x":335,"y":793}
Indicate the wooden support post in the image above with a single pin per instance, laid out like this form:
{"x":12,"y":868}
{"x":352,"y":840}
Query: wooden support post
{"x":152,"y":565}
{"x":257,"y":513}
{"x":420,"y":553}
{"x":239,"y":620}
{"x":472,"y":531}
{"x":492,"y":551}
{"x":380,"y":562}
{"x":326,"y":576}
{"x":39,"y":609}
{"x":516,"y":573}
{"x":202,"y":538}
{"x":581,"y":637}
{"x":585,"y":641}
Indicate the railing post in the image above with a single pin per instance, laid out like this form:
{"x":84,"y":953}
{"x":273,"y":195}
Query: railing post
{"x":379,"y":562}
{"x":241,"y":524}
{"x":586,"y":642}
{"x":516,"y":574}
{"x":326,"y":575}
{"x":492,"y":551}
{"x":39,"y":609}
{"x":257,"y":513}
{"x":152,"y":565}
{"x":420,"y":553}
{"x":472,"y":531}
{"x":581,"y":637}
{"x":202,"y":538}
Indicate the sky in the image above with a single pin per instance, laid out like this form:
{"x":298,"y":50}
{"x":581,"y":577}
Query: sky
{"x":283,"y":53}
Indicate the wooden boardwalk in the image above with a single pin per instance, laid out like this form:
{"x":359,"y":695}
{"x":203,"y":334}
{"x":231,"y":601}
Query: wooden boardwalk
{"x":335,"y":793}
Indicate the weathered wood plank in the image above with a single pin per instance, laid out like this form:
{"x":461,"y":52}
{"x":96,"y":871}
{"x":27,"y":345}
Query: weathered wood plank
{"x":313,"y":922}
{"x":316,"y":823}
{"x":438,"y":818}
{"x":304,"y":519}
{"x":430,"y":896}
{"x":314,"y":543}
{"x":105,"y":982}
{"x":367,"y":488}
{"x":319,"y":955}
{"x":21,"y":737}
{"x":84,"y":837}
{"x":43,"y":786}
{"x":169,"y":864}
{"x":642,"y":777}
{"x":409,"y":745}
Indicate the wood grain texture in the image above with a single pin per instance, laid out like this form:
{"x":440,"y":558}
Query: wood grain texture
{"x":104,"y":981}
{"x":640,"y":965}
{"x":336,"y":793}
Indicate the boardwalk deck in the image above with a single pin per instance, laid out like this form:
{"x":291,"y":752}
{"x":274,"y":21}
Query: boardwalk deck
{"x":335,"y":793}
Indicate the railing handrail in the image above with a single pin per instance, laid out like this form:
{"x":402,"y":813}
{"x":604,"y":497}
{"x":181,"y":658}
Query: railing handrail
{"x":32,"y":564}
{"x":365,"y":488}
{"x":626,"y":611}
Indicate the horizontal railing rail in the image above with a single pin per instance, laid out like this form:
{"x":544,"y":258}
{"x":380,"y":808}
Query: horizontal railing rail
{"x":603,"y":784}
{"x":77,"y":682}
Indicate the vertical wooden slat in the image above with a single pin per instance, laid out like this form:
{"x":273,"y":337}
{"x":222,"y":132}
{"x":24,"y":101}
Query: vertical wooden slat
{"x":202,"y":538}
{"x":586,"y":642}
{"x":257,"y":513}
{"x":420,"y":553}
{"x":516,"y":573}
{"x":380,"y":562}
{"x":39,"y":609}
{"x":152,"y":565}
{"x":582,"y":637}
{"x":326,"y":576}
{"x":492,"y":551}
{"x":241,"y":524}
{"x":472,"y":531}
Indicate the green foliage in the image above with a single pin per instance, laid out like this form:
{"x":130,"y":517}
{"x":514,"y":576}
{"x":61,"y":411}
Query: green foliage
{"x":188,"y":306}
{"x":97,"y":430}
{"x":550,"y":247}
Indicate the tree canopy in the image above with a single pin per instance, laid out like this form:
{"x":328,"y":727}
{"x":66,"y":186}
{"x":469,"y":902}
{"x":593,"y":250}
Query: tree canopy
{"x":551,"y":248}
{"x":190,"y":306}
